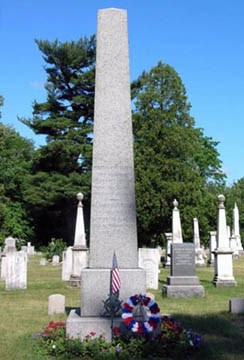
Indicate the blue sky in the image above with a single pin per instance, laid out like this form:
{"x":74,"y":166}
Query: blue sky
{"x":201,"y":39}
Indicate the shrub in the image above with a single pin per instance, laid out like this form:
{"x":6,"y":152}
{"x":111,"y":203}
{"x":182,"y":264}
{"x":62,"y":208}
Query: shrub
{"x":55,"y":247}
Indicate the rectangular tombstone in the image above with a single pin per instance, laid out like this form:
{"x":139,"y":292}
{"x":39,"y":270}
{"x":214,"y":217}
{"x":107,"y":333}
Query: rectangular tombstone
{"x":149,"y":260}
{"x":3,"y":267}
{"x":10,"y":244}
{"x":183,"y":259}
{"x":43,"y":261}
{"x":67,"y":264}
{"x":16,"y":270}
{"x":236,"y":305}
{"x":182,"y":281}
{"x":55,"y":260}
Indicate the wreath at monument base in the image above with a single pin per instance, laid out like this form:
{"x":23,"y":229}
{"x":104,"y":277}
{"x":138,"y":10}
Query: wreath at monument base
{"x":153,"y":313}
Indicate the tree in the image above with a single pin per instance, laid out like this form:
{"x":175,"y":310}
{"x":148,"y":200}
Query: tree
{"x":173,"y":158}
{"x":62,"y":167}
{"x":235,"y":194}
{"x":16,"y":154}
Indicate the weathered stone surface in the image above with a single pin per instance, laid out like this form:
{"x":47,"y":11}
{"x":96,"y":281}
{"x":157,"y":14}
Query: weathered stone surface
{"x":55,"y":260}
{"x":95,"y":288}
{"x":183,"y":259}
{"x":183,"y":291}
{"x":43,"y":261}
{"x":236,"y":305}
{"x":223,"y":262}
{"x":67,"y":264}
{"x":10,"y":244}
{"x":149,"y":260}
{"x":56,"y":304}
{"x":79,"y":327}
{"x":16,"y":270}
{"x":176,"y":224}
{"x":182,"y":281}
{"x":113,"y":213}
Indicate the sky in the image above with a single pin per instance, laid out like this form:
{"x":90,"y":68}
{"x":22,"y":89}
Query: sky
{"x":201,"y":39}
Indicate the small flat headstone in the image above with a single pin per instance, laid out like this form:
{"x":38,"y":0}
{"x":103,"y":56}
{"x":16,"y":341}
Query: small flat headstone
{"x":56,"y":304}
{"x":236,"y":305}
{"x":43,"y":261}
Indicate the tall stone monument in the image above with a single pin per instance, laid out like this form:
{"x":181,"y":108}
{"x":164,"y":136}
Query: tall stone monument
{"x":176,"y":224}
{"x":79,"y":249}
{"x":199,"y":251}
{"x":236,"y":229}
{"x":223,"y":262}
{"x":113,"y":212}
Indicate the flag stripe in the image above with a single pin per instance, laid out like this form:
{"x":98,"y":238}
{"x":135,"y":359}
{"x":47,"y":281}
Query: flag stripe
{"x":116,"y":282}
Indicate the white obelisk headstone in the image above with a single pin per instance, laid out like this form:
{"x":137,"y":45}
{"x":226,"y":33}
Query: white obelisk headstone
{"x":176,"y":224}
{"x":223,"y":263}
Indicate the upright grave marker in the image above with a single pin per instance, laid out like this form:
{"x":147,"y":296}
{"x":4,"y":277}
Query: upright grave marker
{"x":223,"y":263}
{"x":113,"y":212}
{"x":182,"y":281}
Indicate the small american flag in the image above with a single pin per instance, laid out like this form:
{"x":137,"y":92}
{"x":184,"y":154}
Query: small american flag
{"x":115,"y":277}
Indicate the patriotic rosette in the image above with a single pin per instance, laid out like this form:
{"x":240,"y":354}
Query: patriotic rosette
{"x":141,"y":327}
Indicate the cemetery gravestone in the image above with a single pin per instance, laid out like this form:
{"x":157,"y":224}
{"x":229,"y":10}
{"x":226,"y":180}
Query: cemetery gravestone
{"x":182,"y":281}
{"x":223,"y":262}
{"x":43,"y":261}
{"x":55,"y":260}
{"x":176,"y":224}
{"x":79,"y":258}
{"x":56,"y":304}
{"x":236,"y":305}
{"x":67,"y":264}
{"x":113,"y":213}
{"x":149,"y":260}
{"x":10,"y":244}
{"x":16,"y":270}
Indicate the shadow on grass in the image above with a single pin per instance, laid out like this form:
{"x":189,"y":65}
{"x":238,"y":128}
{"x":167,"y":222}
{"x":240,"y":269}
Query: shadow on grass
{"x":222,"y":336}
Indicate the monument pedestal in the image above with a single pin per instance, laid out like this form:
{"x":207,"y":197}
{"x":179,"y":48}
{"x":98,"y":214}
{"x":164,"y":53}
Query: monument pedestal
{"x":78,"y":327}
{"x":94,"y":290}
{"x":79,"y":261}
{"x":223,"y":268}
{"x":182,"y":281}
{"x":183,"y":286}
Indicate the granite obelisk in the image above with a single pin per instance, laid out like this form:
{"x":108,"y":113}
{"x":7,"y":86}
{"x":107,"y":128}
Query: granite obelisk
{"x":113,"y":212}
{"x":113,"y":215}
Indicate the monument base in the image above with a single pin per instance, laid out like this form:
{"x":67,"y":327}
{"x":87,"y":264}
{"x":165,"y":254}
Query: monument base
{"x":95,"y":288}
{"x":223,"y":268}
{"x":78,"y":327}
{"x":183,"y":286}
{"x":183,"y":291}
{"x":224,"y":282}
{"x":74,"y":281}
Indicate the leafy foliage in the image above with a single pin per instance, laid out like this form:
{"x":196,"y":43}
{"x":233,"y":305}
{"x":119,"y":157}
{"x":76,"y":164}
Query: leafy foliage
{"x":173,"y":158}
{"x":235,"y":194}
{"x":55,"y":247}
{"x":16,"y":154}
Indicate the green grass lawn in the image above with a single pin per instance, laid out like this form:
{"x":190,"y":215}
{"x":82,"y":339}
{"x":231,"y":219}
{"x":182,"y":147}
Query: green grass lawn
{"x":24,"y":312}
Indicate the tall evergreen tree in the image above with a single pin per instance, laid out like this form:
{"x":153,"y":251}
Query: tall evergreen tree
{"x":173,"y":158}
{"x":62,"y":166}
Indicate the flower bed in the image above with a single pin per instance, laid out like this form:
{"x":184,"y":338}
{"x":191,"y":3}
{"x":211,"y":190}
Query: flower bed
{"x":172,"y":342}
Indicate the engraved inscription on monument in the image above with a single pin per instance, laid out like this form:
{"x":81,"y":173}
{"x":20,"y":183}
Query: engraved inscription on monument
{"x":183,"y":259}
